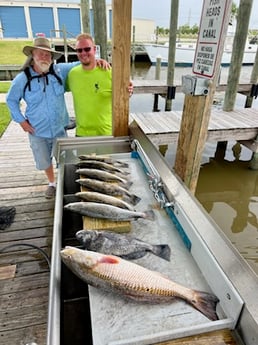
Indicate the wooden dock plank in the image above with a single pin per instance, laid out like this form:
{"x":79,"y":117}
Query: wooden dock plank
{"x":160,"y":86}
{"x":25,"y":283}
{"x":24,"y":295}
{"x":163,"y":127}
{"x":7,"y":272}
{"x":27,"y":334}
{"x":23,"y":255}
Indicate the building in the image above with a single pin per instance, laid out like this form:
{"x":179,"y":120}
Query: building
{"x":23,"y":20}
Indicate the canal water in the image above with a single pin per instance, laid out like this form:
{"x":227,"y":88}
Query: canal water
{"x":227,"y":188}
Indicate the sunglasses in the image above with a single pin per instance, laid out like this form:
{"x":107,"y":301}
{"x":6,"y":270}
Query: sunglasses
{"x":86,"y":50}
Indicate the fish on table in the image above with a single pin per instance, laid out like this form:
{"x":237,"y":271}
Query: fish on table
{"x":130,"y":280}
{"x":104,"y":159}
{"x":104,"y":199}
{"x":108,"y":188}
{"x":125,"y":246}
{"x":94,"y":164}
{"x":103,"y":176}
{"x":104,"y":211}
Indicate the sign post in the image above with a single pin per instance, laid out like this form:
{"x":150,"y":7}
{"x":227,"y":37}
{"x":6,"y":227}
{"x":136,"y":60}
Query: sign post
{"x":213,"y":20}
{"x":199,"y":89}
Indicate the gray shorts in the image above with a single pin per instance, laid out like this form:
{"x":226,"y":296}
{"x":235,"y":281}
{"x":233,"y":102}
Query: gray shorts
{"x":42,"y":149}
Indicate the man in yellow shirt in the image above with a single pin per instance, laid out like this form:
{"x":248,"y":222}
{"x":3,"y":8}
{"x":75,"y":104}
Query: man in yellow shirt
{"x":91,"y":88}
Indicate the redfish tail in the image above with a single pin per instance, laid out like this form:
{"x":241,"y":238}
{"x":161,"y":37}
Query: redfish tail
{"x":149,"y":214}
{"x":163,"y":251}
{"x":206,"y":303}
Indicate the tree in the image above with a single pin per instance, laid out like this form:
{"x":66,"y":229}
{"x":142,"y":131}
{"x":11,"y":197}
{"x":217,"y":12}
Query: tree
{"x":100,"y":25}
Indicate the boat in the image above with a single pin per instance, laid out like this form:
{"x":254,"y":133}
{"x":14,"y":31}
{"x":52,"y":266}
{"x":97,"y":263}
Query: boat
{"x":202,"y":257}
{"x":185,"y":52}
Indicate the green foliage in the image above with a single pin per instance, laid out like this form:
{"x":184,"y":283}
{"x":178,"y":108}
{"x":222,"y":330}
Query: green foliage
{"x":4,"y":86}
{"x":187,"y":30}
{"x":5,"y":118}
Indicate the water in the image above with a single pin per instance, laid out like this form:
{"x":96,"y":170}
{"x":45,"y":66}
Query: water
{"x":227,"y":187}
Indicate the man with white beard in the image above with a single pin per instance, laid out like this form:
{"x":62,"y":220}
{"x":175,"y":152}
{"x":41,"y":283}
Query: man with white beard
{"x":41,"y":85}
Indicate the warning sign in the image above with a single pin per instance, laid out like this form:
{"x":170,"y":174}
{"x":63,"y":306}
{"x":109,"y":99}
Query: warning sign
{"x":211,"y":27}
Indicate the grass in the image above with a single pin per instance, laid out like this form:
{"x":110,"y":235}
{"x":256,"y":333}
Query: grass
{"x":5,"y":118}
{"x":11,"y":52}
{"x":4,"y":86}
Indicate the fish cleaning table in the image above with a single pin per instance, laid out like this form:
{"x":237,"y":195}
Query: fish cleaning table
{"x":115,"y":320}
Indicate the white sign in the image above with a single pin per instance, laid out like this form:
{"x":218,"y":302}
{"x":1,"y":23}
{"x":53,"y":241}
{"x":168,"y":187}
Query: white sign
{"x":211,"y":26}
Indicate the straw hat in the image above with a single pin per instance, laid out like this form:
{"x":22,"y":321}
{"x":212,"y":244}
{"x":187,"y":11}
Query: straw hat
{"x":44,"y":44}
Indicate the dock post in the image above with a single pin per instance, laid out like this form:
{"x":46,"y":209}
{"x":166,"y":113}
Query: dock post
{"x":133,"y":46}
{"x":157,"y":77}
{"x":248,"y":104}
{"x":253,"y":165}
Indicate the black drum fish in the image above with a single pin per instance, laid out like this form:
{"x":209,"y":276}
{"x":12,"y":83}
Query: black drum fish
{"x":125,"y":246}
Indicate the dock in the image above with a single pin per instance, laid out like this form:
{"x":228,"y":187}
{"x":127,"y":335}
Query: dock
{"x":163,"y":127}
{"x":24,"y":271}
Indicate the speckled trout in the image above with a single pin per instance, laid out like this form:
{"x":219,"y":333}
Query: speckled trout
{"x":104,"y":199}
{"x":104,"y":211}
{"x":105,"y":159}
{"x":108,"y":188}
{"x":133,"y":281}
{"x":93,"y":164}
{"x":103,"y":176}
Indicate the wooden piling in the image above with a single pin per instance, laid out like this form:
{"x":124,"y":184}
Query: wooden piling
{"x":121,"y":50}
{"x":196,"y":116}
{"x":100,"y":26}
{"x":157,"y":77}
{"x":239,"y":43}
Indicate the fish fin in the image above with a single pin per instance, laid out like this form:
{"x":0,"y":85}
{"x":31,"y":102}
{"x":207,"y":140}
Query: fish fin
{"x":206,"y":303}
{"x":126,"y":185}
{"x":109,"y":260}
{"x":122,"y":164}
{"x":125,"y":173}
{"x":134,"y":199}
{"x":129,"y":184}
{"x":134,"y":256}
{"x":149,"y":214}
{"x":162,"y":250}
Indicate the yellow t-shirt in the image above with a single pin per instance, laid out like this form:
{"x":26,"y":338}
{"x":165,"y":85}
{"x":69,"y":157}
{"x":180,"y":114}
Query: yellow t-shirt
{"x":92,"y":99}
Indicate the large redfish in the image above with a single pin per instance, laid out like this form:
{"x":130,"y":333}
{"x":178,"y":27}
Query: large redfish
{"x":133,"y":281}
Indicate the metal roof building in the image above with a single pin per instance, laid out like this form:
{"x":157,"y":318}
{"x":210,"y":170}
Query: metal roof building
{"x":23,"y":20}
{"x":20,"y":19}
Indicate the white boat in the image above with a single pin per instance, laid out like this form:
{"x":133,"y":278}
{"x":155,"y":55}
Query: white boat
{"x":185,"y":53}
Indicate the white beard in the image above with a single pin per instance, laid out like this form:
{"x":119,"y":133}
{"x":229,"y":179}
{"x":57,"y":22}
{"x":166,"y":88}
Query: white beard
{"x":43,"y":66}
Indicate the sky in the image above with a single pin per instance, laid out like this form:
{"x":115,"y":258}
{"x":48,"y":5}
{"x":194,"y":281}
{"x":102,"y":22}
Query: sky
{"x":189,"y":12}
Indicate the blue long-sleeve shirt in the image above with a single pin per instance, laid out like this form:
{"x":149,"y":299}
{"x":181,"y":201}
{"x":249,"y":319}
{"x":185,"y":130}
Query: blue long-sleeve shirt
{"x":45,"y":104}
